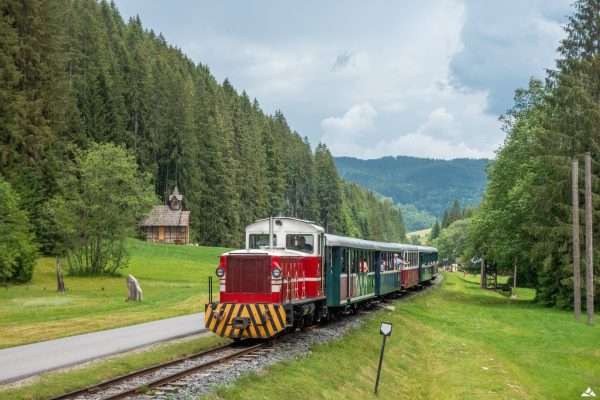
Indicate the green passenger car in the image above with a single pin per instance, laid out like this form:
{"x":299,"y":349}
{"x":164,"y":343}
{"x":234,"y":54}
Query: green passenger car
{"x":354,"y":271}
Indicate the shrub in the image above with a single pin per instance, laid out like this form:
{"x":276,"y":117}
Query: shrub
{"x":18,"y":249}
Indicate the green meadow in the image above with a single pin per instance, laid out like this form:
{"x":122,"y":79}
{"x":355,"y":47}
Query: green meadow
{"x":454,"y":342}
{"x":174,"y":280}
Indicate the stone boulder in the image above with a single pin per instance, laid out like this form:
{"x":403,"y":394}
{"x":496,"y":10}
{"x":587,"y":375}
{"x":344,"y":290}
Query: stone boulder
{"x":134,"y":289}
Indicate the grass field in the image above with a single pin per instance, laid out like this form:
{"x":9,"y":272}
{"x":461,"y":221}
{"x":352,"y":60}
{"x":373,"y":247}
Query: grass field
{"x":456,"y":342}
{"x":173,"y":280}
{"x":423,"y":235}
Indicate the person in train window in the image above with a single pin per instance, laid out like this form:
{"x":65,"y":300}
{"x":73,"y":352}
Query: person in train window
{"x":397,"y":262}
{"x":364,"y":267}
{"x":303,"y":246}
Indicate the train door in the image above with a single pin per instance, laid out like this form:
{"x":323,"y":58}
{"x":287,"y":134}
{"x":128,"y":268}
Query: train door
{"x":352,"y":270}
{"x":421,"y":266}
{"x":345,"y":273}
{"x":334,"y":259}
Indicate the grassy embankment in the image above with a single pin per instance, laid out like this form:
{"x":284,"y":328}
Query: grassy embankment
{"x":173,"y":280}
{"x":456,"y":342}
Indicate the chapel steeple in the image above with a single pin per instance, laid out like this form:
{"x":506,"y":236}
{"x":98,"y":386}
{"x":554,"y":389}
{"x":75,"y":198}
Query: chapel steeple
{"x":175,"y":200}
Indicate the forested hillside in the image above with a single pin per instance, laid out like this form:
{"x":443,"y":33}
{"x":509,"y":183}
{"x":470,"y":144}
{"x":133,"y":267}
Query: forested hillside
{"x":73,"y":73}
{"x":430,"y":185}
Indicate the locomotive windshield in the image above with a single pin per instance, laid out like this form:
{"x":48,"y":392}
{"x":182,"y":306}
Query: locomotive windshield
{"x":258,"y":240}
{"x":300,"y":242}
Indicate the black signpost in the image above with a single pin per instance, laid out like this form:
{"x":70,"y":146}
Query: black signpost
{"x":385,"y":330}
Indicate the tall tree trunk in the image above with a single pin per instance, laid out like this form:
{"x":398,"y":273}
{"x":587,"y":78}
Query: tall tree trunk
{"x":59,"y":278}
{"x":482,"y":280}
{"x":515,"y":274}
{"x":576,"y":256}
{"x":589,"y":265}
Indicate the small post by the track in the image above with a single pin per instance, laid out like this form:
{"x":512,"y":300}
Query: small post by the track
{"x":385,"y":330}
{"x":210,"y":297}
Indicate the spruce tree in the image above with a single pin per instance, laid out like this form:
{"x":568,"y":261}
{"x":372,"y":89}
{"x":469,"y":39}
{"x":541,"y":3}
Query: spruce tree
{"x":435,"y":230}
{"x":446,"y":220}
{"x":455,"y":212}
{"x":329,"y":194}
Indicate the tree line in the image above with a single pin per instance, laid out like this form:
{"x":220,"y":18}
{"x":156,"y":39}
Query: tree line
{"x":75,"y":74}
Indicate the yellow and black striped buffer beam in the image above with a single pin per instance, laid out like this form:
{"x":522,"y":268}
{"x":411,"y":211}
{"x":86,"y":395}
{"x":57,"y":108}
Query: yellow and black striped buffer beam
{"x":235,"y":320}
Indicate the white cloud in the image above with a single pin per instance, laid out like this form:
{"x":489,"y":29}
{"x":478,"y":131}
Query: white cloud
{"x":438,"y":137}
{"x":440,"y":124}
{"x":356,"y":122}
{"x":396,"y":106}
{"x":426,"y":146}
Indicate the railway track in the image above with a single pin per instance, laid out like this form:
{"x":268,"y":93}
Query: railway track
{"x":169,"y":376}
{"x":163,"y":381}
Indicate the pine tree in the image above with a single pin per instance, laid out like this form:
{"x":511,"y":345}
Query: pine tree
{"x":329,"y":194}
{"x":435,"y":230}
{"x":455,"y":212}
{"x":274,"y":168}
{"x":210,"y":206}
{"x":446,"y":220}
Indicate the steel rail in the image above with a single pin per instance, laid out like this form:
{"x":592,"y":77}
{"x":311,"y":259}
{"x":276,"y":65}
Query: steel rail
{"x":89,"y":390}
{"x":189,"y":371}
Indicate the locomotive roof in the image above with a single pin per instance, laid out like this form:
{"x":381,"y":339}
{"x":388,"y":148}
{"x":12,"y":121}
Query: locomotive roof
{"x":342,"y":241}
{"x":295,"y":223}
{"x":278,"y":251}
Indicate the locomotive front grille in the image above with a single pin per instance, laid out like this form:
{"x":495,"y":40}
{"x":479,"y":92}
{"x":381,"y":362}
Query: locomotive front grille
{"x":248,"y":274}
{"x":238,"y":320}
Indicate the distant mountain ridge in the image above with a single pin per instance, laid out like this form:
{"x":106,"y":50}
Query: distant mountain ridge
{"x":430,"y":185}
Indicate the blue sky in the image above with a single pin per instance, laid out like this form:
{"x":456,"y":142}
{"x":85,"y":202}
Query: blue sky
{"x":369,"y":79}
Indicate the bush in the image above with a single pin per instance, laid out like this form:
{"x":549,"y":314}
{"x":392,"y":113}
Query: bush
{"x":18,"y":249}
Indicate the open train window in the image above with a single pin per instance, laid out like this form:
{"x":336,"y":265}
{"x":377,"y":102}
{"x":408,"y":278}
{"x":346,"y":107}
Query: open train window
{"x":258,"y":240}
{"x":344,"y":261}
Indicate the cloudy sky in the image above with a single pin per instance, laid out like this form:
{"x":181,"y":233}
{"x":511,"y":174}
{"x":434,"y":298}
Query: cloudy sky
{"x":370,"y":79}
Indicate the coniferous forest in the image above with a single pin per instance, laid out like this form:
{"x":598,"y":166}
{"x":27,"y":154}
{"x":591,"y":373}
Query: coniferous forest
{"x":73,"y":73}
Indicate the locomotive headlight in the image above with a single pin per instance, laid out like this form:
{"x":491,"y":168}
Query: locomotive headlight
{"x":276,"y":273}
{"x":220,"y":272}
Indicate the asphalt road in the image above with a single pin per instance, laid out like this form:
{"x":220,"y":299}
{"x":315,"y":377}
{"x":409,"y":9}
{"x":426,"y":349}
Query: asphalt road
{"x":24,"y":361}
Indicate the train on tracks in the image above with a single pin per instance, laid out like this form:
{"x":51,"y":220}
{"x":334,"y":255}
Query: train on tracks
{"x":292,"y":274}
